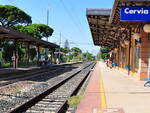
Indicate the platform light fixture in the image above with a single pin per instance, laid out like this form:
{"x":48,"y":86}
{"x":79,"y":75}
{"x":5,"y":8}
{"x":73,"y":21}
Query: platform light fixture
{"x":49,"y":55}
{"x":146,"y":28}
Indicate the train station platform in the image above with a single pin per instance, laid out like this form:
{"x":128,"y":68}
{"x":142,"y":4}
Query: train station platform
{"x":11,"y":72}
{"x":112,"y":91}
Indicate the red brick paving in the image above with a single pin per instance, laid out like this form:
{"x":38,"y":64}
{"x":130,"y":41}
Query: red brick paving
{"x":90,"y":102}
{"x":91,"y":98}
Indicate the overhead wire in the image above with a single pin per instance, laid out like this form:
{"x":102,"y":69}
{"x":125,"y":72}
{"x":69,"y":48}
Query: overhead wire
{"x":74,"y":12}
{"x":77,"y":24}
{"x":71,"y":17}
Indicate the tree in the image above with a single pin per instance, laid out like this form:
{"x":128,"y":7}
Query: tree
{"x":88,"y":56}
{"x":104,"y":56}
{"x":64,"y":50}
{"x":45,"y":31}
{"x":36,"y":30}
{"x":29,"y":30}
{"x":8,"y":52}
{"x":104,"y":52}
{"x":76,"y":51}
{"x":11,"y":15}
{"x":98,"y":56}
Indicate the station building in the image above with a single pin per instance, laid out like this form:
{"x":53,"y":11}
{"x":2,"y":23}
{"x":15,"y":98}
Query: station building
{"x":125,"y":30}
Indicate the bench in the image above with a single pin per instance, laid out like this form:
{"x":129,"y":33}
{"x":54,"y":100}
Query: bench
{"x":147,"y":84}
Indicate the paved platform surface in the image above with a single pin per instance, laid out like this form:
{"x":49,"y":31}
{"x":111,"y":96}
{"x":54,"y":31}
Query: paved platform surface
{"x":91,"y":99}
{"x":30,"y":68}
{"x":118,"y":93}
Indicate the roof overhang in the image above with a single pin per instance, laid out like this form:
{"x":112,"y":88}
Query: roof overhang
{"x":11,"y":35}
{"x":102,"y":31}
{"x":106,"y":27}
{"x":115,"y":14}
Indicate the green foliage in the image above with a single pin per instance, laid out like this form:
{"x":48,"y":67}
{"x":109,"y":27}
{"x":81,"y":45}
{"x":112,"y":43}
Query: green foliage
{"x":88,"y":56}
{"x":18,"y":91}
{"x":5,"y":65}
{"x":30,"y":30}
{"x":74,"y":100}
{"x":64,"y":50}
{"x":76,"y":51}
{"x":98,"y":57}
{"x":8,"y":52}
{"x":104,"y":56}
{"x":44,"y":30}
{"x":33,"y":53}
{"x":35,"y":30}
{"x":11,"y":15}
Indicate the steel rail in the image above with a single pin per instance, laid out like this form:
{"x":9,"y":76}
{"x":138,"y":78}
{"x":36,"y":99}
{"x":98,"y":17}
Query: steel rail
{"x":33,"y":74}
{"x":64,"y":106}
{"x":31,"y":102}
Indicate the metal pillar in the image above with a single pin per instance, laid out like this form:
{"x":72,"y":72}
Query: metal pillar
{"x":15,"y":55}
{"x":38,"y":53}
{"x":53,"y":56}
{"x":28,"y":53}
{"x":130,"y":36}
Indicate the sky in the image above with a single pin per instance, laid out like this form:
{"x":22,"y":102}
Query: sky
{"x":66,"y":17}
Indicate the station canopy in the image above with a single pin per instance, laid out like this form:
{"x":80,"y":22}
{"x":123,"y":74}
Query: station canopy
{"x":12,"y":35}
{"x":105,"y":25}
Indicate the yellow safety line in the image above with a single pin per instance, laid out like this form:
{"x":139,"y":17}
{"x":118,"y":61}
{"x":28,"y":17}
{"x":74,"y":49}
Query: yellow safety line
{"x":102,"y":97}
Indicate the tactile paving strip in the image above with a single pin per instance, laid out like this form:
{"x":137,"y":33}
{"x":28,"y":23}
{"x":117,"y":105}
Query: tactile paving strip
{"x":108,"y":110}
{"x":113,"y":110}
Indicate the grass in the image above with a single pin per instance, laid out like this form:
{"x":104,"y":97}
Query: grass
{"x":18,"y":92}
{"x":74,"y":100}
{"x":5,"y":65}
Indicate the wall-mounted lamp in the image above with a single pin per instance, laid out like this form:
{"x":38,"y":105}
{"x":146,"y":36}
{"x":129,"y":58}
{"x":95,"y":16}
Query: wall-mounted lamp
{"x":49,"y":55}
{"x":146,"y":28}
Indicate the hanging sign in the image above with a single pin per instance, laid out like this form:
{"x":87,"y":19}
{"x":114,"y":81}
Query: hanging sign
{"x":135,"y":13}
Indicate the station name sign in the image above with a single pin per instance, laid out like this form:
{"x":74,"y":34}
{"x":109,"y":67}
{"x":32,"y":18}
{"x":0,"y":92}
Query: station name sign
{"x":133,"y":13}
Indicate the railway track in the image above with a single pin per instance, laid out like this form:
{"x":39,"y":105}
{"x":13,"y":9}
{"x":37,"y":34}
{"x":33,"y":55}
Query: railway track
{"x":32,"y":75}
{"x":54,"y":99}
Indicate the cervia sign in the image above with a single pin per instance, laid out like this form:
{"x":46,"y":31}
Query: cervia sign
{"x":140,"y":13}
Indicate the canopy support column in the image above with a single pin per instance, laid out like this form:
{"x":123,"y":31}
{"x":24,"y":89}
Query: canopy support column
{"x":38,"y":54}
{"x":28,"y":53}
{"x":130,"y":36}
{"x":53,"y":56}
{"x":15,"y":55}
